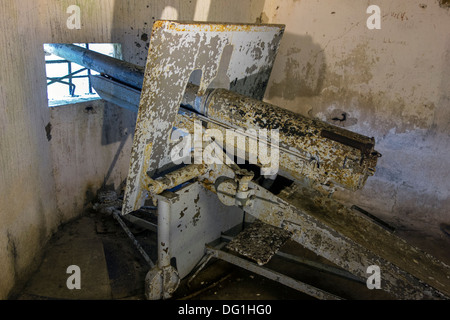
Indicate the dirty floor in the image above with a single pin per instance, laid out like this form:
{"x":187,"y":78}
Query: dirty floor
{"x":112,"y":268}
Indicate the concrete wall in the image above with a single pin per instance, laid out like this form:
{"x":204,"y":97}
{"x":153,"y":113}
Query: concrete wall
{"x":27,"y":203}
{"x":392,"y":83}
{"x":53,"y":161}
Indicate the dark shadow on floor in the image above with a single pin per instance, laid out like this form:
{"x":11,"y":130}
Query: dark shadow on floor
{"x":113,"y":269}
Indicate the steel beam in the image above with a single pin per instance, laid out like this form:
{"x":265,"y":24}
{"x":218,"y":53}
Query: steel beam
{"x":353,"y":243}
{"x":116,"y":215}
{"x":273,"y":275}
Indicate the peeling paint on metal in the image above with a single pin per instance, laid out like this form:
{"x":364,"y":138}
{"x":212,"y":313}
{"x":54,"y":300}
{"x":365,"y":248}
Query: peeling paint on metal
{"x":310,"y":148}
{"x":176,"y":49}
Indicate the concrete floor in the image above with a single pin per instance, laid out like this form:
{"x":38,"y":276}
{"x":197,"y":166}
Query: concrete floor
{"x":112,"y":268}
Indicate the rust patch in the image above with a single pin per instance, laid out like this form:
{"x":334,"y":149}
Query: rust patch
{"x":196,"y":217}
{"x":182,"y":213}
{"x":144,"y":37}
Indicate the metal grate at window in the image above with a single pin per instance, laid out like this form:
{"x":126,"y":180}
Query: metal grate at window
{"x":68,"y":82}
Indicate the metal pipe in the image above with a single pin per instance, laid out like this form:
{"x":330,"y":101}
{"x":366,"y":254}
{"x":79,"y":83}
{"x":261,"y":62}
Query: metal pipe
{"x":120,"y":70}
{"x":116,"y":215}
{"x":163,"y":232}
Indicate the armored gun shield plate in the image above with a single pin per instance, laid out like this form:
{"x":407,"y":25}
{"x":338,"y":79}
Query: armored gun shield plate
{"x":238,"y":57}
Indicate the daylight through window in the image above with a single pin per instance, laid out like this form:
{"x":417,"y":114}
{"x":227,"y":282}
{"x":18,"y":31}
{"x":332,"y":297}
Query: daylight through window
{"x":68,"y":82}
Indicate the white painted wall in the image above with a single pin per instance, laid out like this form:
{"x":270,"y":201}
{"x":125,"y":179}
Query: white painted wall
{"x":394,"y":85}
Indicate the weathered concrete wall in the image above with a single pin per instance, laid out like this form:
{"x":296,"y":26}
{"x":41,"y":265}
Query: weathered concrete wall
{"x":47,"y":176}
{"x":90,"y":144}
{"x":392,"y":84}
{"x":53,"y":161}
{"x":27,"y":202}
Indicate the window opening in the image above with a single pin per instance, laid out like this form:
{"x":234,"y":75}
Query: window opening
{"x":68,"y":82}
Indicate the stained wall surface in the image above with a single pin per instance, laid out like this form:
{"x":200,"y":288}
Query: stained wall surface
{"x":392,"y":84}
{"x":54,"y":160}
